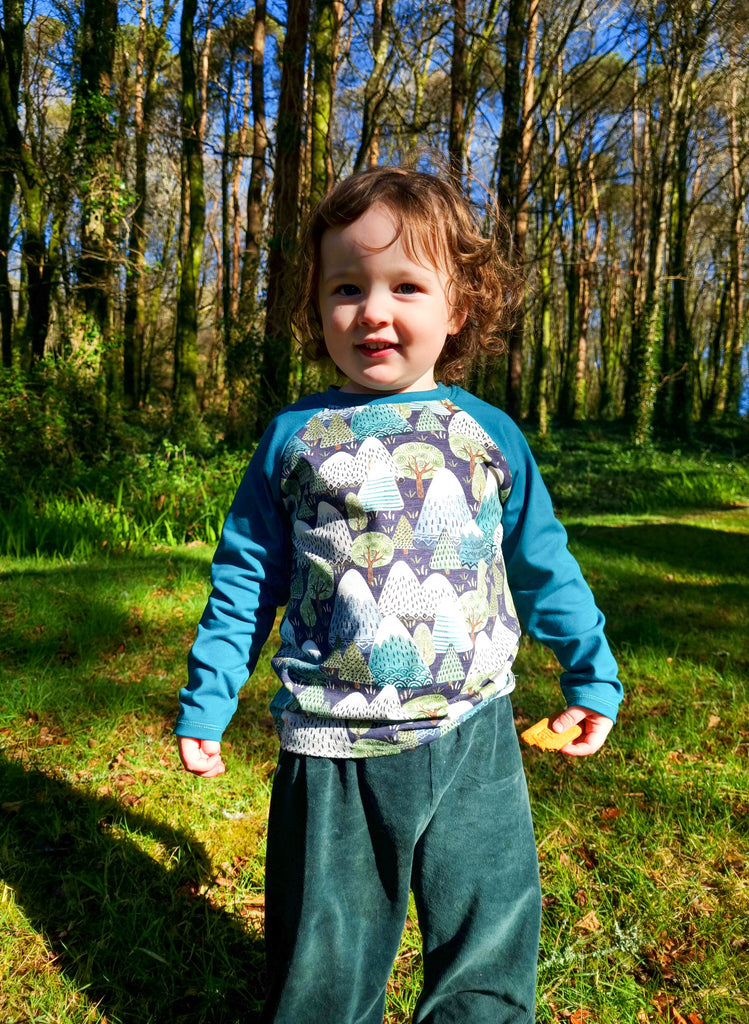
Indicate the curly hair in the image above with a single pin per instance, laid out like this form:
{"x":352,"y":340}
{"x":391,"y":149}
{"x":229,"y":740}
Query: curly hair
{"x":437,"y":226}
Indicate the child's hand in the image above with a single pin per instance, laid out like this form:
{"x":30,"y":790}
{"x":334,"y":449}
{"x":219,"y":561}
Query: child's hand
{"x":201,"y":757}
{"x":595,"y":728}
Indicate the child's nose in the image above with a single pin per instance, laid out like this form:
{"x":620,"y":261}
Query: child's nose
{"x":374,"y":310}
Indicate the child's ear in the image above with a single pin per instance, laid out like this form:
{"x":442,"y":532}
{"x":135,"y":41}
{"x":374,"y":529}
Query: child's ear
{"x":457,"y":318}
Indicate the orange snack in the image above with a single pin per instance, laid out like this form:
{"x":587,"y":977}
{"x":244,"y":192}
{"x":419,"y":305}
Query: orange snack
{"x":540,"y":735}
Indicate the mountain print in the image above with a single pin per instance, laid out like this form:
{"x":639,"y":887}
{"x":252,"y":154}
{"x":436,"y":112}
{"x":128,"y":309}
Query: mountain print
{"x":398,"y":595}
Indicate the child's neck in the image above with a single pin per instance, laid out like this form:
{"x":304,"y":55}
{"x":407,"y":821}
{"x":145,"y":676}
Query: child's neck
{"x":353,"y":389}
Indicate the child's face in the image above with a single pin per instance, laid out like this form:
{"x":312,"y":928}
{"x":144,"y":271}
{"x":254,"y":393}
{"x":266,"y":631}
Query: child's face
{"x":385,"y":317}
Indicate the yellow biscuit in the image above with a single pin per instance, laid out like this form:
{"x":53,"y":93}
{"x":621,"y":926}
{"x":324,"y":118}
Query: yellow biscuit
{"x":540,"y":735}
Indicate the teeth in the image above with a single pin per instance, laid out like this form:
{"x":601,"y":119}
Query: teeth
{"x":375,"y":346}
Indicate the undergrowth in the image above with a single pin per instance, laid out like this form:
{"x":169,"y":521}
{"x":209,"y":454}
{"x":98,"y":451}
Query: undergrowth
{"x":598,"y":470}
{"x":122,"y":498}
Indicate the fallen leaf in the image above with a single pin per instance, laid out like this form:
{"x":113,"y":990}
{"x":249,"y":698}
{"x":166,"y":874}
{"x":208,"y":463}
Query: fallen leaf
{"x":661,"y":1002}
{"x":665,"y":1006}
{"x":589,"y":923}
{"x":610,"y":812}
{"x":712,"y":721}
{"x":581,"y":1017}
{"x":189,"y":889}
{"x":588,"y":857}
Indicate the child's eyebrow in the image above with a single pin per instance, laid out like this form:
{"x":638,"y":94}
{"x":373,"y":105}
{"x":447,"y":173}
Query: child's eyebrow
{"x":405,"y":268}
{"x":344,"y":271}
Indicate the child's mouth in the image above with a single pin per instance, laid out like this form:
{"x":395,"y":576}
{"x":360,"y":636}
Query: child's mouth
{"x":376,"y":348}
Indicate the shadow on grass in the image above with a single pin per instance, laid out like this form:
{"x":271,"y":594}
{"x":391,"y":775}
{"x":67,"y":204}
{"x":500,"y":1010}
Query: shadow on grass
{"x":76,"y":612}
{"x":136,"y":935}
{"x":670,"y":585}
{"x":679,"y":546}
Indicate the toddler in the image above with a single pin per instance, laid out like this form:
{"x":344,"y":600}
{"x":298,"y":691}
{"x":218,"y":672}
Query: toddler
{"x":404,"y":526}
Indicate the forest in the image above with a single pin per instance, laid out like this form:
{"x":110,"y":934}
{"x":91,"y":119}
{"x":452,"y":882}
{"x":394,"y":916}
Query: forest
{"x":157,"y":161}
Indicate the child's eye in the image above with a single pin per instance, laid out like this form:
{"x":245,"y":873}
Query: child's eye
{"x":407,"y":288}
{"x":347,"y":290}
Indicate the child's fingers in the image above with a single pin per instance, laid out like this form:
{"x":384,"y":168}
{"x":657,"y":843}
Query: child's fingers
{"x":595,"y":728}
{"x":201,"y":757}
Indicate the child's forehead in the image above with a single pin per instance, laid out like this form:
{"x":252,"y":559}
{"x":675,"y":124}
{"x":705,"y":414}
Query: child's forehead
{"x":420,"y":238}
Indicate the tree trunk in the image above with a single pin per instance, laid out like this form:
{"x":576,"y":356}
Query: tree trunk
{"x":681,"y":51}
{"x":731,"y":392}
{"x":543,"y":352}
{"x":510,"y":149}
{"x":327,"y":25}
{"x":680,"y":371}
{"x":588,"y":194}
{"x":512,"y":99}
{"x":256,"y":188}
{"x":39,"y":245}
{"x":276,"y":343}
{"x":646,"y":323}
{"x":92,"y":130}
{"x":714,"y":377}
{"x":611,"y":331}
{"x":515,"y":341}
{"x":572,"y":261}
{"x":135,"y":319}
{"x":456,"y":145}
{"x":225,"y":262}
{"x":7,"y":192}
{"x":11,"y":56}
{"x":237,"y":226}
{"x":375,"y":89}
{"x":186,"y":340}
{"x":242,"y":357}
{"x":328,"y":17}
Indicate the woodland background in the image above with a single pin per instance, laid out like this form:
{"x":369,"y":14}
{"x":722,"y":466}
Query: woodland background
{"x":156,"y":160}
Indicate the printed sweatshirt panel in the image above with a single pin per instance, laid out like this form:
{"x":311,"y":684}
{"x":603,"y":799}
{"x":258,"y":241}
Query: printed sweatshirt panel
{"x":400,"y":531}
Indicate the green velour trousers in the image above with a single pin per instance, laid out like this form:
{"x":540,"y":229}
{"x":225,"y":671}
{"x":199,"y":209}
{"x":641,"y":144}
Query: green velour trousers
{"x":347,"y":839}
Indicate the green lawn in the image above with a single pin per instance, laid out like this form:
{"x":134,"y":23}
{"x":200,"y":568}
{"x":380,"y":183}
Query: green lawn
{"x":131,"y":892}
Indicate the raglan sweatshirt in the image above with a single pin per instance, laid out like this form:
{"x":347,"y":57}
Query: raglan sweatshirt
{"x":407,"y":536}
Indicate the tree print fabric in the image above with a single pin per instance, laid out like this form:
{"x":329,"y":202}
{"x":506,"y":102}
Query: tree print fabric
{"x":406,"y":536}
{"x":400,"y":622}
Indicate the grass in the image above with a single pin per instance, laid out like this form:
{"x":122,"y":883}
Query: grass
{"x":596,"y":470}
{"x":131,"y":892}
{"x":170,"y":497}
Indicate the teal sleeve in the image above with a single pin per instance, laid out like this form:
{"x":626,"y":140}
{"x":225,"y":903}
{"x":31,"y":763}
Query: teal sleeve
{"x":250,"y":579}
{"x":552,"y":599}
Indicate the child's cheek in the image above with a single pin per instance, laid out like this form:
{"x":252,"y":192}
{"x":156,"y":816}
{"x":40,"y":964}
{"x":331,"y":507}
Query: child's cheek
{"x":342,"y":319}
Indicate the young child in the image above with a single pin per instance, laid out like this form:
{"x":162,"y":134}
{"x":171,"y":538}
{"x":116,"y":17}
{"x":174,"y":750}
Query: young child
{"x":405,"y":527}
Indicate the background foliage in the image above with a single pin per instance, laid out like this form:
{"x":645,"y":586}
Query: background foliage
{"x":156,"y":161}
